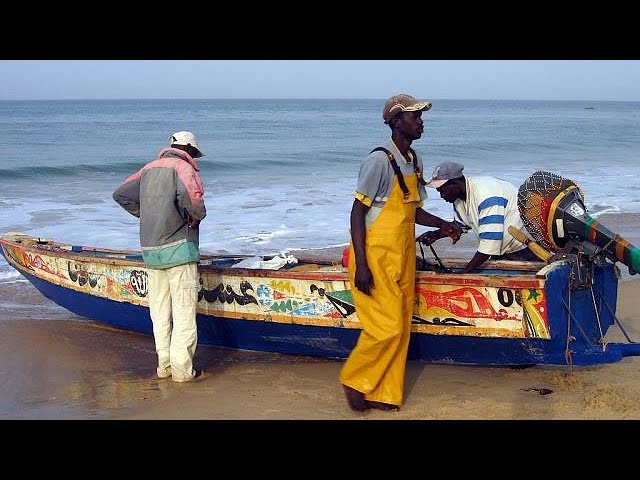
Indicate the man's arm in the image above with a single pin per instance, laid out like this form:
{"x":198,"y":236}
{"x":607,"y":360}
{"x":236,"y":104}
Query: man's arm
{"x":190,"y":196}
{"x":429,"y":220}
{"x":364,"y":277}
{"x":445,"y":228}
{"x":477,"y":260}
{"x":127,"y":195}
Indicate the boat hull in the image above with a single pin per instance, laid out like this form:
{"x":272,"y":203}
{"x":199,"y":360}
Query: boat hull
{"x":495,"y":318}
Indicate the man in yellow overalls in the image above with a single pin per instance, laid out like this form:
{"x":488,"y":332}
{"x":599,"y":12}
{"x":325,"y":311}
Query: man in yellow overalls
{"x":382,"y":267}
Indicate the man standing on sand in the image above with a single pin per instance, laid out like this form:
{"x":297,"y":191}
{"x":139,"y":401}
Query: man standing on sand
{"x":382,"y":266}
{"x":168,"y":196}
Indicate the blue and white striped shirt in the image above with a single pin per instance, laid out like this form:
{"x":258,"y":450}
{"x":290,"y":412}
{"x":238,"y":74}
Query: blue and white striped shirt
{"x":491,"y":206}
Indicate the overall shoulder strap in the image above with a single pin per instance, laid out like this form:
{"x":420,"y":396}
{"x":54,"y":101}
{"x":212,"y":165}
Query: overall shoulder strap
{"x":396,"y":169}
{"x":415,"y":167}
{"x":382,"y":149}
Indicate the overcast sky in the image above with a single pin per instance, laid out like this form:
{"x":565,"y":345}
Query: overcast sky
{"x":434,"y":79}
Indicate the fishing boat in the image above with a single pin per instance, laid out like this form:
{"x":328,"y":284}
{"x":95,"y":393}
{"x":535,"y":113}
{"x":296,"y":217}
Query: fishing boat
{"x":556,"y":311}
{"x":510,"y":313}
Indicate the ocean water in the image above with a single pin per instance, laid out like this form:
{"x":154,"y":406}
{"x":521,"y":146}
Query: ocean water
{"x":280,"y":174}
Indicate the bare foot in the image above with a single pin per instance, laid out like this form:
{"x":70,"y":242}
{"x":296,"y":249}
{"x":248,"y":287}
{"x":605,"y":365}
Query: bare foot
{"x":389,"y":407}
{"x":355,"y":399}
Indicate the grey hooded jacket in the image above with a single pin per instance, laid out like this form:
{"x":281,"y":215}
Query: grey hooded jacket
{"x":162,"y":194}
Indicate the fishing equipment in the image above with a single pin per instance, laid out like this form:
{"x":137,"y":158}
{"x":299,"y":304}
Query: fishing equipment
{"x":553,"y":211}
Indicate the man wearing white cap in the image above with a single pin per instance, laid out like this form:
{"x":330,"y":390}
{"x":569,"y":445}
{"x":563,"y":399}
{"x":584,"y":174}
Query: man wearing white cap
{"x":488,"y":206}
{"x":167,"y":195}
{"x":382,"y":258}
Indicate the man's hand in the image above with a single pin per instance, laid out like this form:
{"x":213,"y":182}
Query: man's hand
{"x":431,"y":236}
{"x":364,"y":279}
{"x":452,"y":231}
{"x":192,"y":222}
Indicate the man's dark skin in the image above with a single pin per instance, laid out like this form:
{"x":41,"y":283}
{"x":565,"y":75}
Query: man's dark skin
{"x":454,"y":189}
{"x":406,"y":127}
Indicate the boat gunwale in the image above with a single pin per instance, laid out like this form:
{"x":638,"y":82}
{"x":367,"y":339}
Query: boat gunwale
{"x":92,"y":254}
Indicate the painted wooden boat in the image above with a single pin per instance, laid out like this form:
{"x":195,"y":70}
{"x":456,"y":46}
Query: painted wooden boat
{"x":510,"y":313}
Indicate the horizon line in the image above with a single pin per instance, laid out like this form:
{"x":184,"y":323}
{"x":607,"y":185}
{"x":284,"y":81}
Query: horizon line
{"x":303,"y":98}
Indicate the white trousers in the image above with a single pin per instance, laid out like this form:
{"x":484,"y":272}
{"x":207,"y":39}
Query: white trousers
{"x":173,"y":295}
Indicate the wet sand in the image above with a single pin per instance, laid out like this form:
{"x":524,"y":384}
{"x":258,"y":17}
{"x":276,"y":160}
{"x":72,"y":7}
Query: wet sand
{"x":71,"y":368}
{"x":55,"y":365}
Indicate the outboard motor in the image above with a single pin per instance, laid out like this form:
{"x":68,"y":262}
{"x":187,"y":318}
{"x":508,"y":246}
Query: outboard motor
{"x":553,"y":211}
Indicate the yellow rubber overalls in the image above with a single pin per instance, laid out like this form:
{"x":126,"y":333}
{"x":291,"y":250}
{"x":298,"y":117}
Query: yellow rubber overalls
{"x":376,"y":366}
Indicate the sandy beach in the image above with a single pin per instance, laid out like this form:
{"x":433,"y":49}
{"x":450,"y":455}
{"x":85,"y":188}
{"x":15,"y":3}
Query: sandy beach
{"x":72,"y":368}
{"x":55,"y":365}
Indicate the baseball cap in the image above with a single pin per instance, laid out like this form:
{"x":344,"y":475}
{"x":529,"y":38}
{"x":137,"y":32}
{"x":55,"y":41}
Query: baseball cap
{"x":185,"y":138}
{"x":402,"y":103}
{"x":443,"y":172}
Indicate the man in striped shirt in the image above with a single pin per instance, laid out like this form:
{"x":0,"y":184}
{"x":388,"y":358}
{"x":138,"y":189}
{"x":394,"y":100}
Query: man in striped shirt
{"x":488,"y":206}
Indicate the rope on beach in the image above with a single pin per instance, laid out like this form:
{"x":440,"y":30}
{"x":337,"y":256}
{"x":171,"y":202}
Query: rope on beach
{"x":567,"y":350}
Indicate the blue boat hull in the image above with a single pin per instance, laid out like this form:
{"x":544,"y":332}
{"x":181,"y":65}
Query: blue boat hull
{"x":584,"y":347}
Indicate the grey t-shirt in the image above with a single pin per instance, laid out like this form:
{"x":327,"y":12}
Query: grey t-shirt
{"x":376,"y":176}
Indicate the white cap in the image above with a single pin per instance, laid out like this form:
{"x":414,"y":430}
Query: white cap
{"x":186,"y":138}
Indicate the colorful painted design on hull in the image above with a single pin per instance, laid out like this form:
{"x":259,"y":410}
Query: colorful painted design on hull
{"x":449,"y":309}
{"x":515,"y":307}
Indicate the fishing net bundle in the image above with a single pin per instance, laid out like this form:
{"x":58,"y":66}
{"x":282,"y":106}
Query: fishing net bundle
{"x":537,"y":203}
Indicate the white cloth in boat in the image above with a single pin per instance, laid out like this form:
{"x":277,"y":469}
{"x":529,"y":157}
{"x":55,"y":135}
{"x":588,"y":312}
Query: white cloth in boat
{"x":277,"y":262}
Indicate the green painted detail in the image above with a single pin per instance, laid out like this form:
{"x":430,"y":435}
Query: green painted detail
{"x":634,"y":256}
{"x":587,"y":228}
{"x":533,"y":294}
{"x":282,"y":307}
{"x":345,"y":295}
